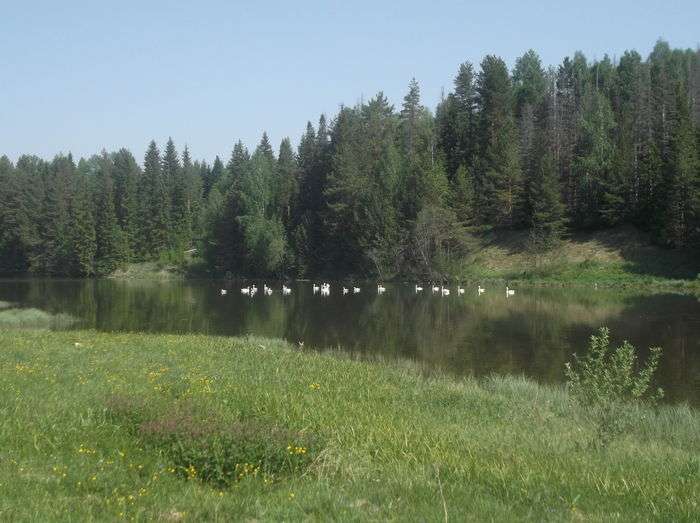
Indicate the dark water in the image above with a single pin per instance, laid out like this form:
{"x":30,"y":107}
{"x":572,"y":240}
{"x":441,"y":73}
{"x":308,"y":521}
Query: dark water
{"x":533,"y":332}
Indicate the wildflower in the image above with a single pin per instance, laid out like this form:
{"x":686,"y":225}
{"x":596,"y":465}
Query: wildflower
{"x":315,"y":386}
{"x":191,"y":472}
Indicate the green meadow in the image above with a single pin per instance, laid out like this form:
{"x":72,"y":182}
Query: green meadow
{"x":100,"y":427}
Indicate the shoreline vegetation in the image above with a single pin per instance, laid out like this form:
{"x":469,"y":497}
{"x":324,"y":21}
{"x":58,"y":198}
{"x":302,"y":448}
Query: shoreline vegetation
{"x":621,"y":257}
{"x":190,"y":428}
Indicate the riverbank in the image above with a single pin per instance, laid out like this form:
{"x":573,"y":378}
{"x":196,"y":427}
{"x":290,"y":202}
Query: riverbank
{"x":187,"y":428}
{"x":620,"y":257}
{"x":617,"y":257}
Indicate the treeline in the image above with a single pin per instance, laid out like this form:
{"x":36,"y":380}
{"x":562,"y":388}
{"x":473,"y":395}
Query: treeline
{"x":381,"y":191}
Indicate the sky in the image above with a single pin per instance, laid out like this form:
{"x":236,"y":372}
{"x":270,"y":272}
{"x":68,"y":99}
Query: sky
{"x":83,"y":76}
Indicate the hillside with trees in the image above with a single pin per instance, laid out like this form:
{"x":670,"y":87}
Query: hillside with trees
{"x":379,"y":190}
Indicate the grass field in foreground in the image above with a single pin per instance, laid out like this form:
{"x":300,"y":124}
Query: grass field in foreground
{"x":189,"y":428}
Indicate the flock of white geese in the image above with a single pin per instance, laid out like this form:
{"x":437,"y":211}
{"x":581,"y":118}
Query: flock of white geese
{"x":324,"y":289}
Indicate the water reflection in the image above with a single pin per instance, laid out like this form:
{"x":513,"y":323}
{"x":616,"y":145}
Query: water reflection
{"x":532,"y":333}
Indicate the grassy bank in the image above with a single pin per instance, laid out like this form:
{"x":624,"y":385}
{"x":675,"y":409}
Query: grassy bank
{"x":187,"y":428}
{"x":149,"y":271}
{"x":615,"y":257}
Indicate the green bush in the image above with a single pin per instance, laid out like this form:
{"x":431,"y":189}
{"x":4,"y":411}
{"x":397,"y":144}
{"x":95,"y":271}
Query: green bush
{"x":212,"y":450}
{"x":607,"y":382}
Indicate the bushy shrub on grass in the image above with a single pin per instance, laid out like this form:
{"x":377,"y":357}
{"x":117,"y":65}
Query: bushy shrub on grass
{"x":607,"y":381}
{"x":216,"y":451}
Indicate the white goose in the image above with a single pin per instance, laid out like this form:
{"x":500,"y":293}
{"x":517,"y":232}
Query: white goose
{"x":509,"y":292}
{"x":355,"y":290}
{"x":316,"y":288}
{"x":345,"y":290}
{"x":480,"y":290}
{"x":286,"y":291}
{"x":223,"y":292}
{"x":436,"y":289}
{"x":444,"y":291}
{"x":419,"y":289}
{"x":245,"y":290}
{"x":460,"y":290}
{"x":381,"y":289}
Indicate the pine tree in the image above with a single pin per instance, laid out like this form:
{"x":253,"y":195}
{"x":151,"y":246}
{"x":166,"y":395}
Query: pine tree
{"x":593,"y":165}
{"x":109,"y":246}
{"x":32,"y":176}
{"x":14,"y":255}
{"x":410,"y":112}
{"x":154,"y":222}
{"x":287,"y":174}
{"x":212,"y":176}
{"x":682,"y":184}
{"x":462,"y":195}
{"x":547,"y":209}
{"x":456,"y":122}
{"x":54,"y":254}
{"x":193,"y":197}
{"x":224,"y":241}
{"x":498,"y":180}
{"x":417,"y":154}
{"x":81,"y":233}
{"x":178,"y":212}
{"x":127,"y":180}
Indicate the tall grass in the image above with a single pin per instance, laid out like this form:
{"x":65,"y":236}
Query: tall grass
{"x":152,"y":427}
{"x":33,"y":318}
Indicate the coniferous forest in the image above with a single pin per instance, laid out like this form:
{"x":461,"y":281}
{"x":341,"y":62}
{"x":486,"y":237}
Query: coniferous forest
{"x":384,"y":190}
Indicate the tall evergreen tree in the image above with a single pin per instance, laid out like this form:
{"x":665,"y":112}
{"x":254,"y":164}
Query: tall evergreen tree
{"x":154,"y":222}
{"x":126,"y":175}
{"x":14,"y":255}
{"x":593,"y":165}
{"x":81,"y":233}
{"x":682,"y":182}
{"x":109,"y":247}
{"x":498,"y":180}
{"x":287,"y":175}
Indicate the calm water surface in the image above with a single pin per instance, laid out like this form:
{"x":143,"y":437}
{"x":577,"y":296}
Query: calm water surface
{"x":532,"y":333}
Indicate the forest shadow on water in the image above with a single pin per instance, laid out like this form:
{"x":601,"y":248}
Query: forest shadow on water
{"x":532,"y":333}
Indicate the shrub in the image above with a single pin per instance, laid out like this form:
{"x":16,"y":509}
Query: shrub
{"x":607,"y":374}
{"x":212,"y":450}
{"x":607,"y":382}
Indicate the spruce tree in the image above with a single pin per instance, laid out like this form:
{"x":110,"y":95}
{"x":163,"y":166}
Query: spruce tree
{"x":154,"y":222}
{"x":498,"y":180}
{"x":127,"y":181}
{"x":547,"y":209}
{"x":81,"y":233}
{"x":54,"y":253}
{"x":212,"y":176}
{"x":287,"y":174}
{"x":14,"y":255}
{"x":193,"y":197}
{"x":179,"y":219}
{"x":109,"y":248}
{"x":462,"y":196}
{"x":593,"y":165}
{"x":682,"y":183}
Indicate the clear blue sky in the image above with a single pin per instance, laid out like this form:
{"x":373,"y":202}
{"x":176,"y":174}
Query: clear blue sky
{"x":85,"y":75}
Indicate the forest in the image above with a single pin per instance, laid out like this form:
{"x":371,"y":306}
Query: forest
{"x":383,"y":191}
